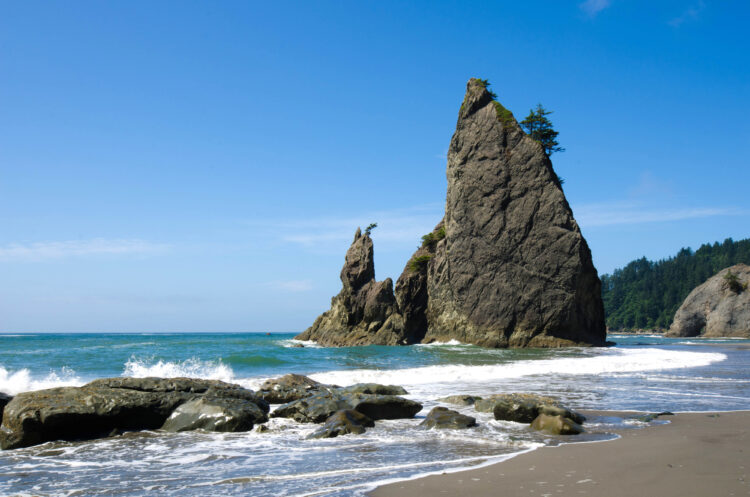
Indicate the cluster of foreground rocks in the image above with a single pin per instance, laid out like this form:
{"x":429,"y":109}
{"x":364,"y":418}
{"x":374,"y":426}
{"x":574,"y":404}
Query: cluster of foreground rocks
{"x":112,"y":406}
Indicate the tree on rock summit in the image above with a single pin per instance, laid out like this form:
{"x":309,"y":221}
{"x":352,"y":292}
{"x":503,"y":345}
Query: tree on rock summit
{"x":538,"y":127}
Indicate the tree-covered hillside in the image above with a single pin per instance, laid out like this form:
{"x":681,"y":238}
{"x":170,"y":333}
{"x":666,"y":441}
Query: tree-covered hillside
{"x":646,"y":294}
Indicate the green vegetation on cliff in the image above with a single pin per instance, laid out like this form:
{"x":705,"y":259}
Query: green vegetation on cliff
{"x":646,"y":294}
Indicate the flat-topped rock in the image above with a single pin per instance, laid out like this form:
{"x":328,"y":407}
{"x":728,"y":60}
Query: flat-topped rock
{"x":318,"y":407}
{"x":288,"y":388}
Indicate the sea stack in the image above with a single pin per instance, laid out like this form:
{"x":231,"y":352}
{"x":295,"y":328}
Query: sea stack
{"x":719,"y":307}
{"x":506,"y":267}
{"x":365,"y":310}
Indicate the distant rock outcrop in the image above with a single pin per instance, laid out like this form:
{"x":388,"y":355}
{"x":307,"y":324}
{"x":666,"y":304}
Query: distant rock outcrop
{"x":720,"y":307}
{"x":506,"y":267}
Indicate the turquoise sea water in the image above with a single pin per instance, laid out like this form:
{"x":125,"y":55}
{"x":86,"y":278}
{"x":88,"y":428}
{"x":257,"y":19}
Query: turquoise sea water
{"x":645,"y":372}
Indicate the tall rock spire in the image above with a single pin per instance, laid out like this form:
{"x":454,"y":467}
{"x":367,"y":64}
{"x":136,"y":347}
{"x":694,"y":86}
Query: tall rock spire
{"x":507,"y":266}
{"x":513,"y":269}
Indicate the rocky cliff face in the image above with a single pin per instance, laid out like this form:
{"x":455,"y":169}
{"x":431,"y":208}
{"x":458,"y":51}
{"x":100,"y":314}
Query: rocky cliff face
{"x":720,"y":307}
{"x":507,"y":266}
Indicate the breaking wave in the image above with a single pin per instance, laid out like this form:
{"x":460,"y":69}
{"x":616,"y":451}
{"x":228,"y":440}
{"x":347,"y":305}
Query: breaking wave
{"x":15,"y":382}
{"x":190,"y":368}
{"x":612,"y":361}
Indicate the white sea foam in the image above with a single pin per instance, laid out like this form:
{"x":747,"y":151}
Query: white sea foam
{"x":438,"y":344}
{"x":610,"y":361}
{"x":14,"y":382}
{"x":293,"y":342}
{"x":191,"y":368}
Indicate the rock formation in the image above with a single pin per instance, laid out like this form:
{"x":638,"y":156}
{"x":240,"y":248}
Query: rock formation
{"x":444,"y":418}
{"x":720,"y":307}
{"x":365,"y":311}
{"x":113,"y":405}
{"x":506,"y":267}
{"x":318,"y":407}
{"x":343,"y":422}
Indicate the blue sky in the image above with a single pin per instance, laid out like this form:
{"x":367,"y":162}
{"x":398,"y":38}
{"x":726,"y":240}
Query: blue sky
{"x":202,"y":166}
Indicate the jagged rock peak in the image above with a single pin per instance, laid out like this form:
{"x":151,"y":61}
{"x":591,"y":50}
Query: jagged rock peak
{"x":507,"y":266}
{"x":365,"y":311}
{"x":359,"y":268}
{"x":514,"y":269}
{"x":719,"y":307}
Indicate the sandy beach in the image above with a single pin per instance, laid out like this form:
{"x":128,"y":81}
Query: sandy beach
{"x":696,"y":454}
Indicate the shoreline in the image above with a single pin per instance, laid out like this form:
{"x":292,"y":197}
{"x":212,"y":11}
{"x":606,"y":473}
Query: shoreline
{"x":695,"y":454}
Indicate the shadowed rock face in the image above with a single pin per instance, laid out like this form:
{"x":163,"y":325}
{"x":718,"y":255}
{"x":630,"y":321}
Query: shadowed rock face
{"x":716,"y":308}
{"x":506,"y":267}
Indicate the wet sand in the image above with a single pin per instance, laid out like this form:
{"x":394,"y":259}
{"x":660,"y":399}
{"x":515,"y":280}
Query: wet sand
{"x":696,"y":454}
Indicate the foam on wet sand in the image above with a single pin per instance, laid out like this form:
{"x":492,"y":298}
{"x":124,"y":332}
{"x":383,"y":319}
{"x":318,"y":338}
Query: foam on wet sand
{"x":696,"y":454}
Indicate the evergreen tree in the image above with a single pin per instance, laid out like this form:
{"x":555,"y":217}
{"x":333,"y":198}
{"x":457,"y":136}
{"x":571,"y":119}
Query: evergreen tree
{"x":540,"y":129}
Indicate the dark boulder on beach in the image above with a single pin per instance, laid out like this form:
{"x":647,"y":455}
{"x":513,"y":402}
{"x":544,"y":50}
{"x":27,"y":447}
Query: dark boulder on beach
{"x":344,"y":422}
{"x":318,"y":407}
{"x":524,"y":407}
{"x":444,"y":418}
{"x":506,"y":267}
{"x":111,"y":405}
{"x":719,"y":307}
{"x":288,"y":388}
{"x":314,"y":408}
{"x":556,"y":425}
{"x":215,"y":414}
{"x":385,"y":406}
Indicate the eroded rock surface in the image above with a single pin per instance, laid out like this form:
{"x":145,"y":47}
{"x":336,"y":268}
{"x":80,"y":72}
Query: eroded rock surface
{"x":506,"y":267}
{"x":720,"y":307}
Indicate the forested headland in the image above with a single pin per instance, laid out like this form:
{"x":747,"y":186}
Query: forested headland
{"x":645,"y":294}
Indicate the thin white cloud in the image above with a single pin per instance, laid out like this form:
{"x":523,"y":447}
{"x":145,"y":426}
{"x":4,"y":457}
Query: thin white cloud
{"x":41,"y":251}
{"x":292,"y":285}
{"x":592,"y":7}
{"x":692,"y":13}
{"x":629,"y":213}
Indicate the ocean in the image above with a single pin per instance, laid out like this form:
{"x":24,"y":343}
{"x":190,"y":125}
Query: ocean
{"x":641,"y":373}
